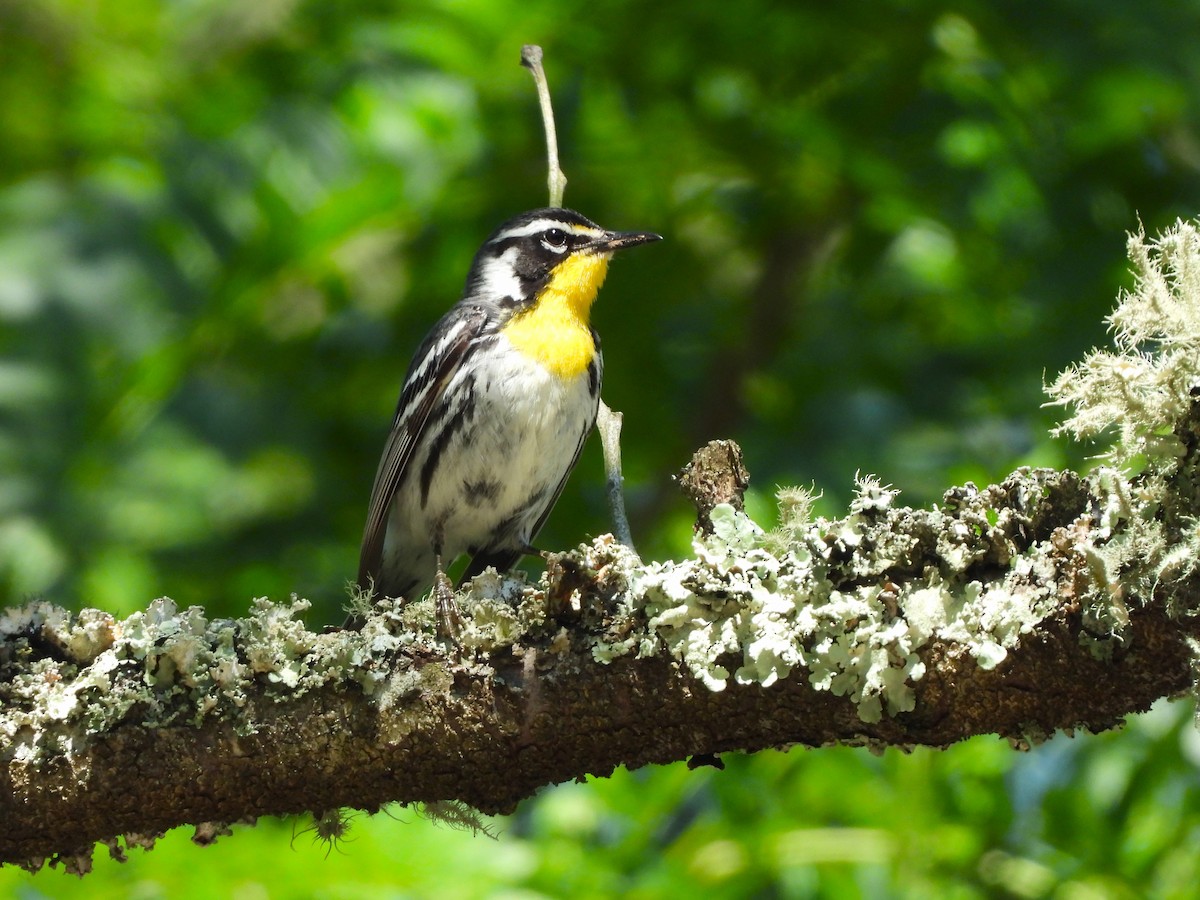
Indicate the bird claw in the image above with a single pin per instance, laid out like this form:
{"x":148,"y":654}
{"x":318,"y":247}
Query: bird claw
{"x":449,"y":620}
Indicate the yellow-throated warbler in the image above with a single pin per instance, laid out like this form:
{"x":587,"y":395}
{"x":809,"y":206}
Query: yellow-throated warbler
{"x":495,"y":408}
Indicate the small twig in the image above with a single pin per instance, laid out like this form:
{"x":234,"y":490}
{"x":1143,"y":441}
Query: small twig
{"x":531,"y":58}
{"x":608,"y":422}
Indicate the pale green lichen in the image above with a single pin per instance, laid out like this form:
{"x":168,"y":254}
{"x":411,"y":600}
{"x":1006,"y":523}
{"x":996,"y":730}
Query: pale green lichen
{"x":820,"y":595}
{"x":1142,"y":388}
{"x":795,"y":514}
{"x":495,"y":616}
{"x":1144,"y":391}
{"x":766,"y":614}
{"x":169,"y":664}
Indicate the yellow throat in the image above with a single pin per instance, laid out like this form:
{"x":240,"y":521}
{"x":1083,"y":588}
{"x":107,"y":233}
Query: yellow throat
{"x":554,"y":330}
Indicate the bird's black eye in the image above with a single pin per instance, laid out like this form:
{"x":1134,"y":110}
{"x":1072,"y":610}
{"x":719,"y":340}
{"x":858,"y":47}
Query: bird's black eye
{"x":555,"y":239}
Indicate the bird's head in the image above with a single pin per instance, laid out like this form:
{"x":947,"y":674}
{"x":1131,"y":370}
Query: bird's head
{"x":547,"y":252}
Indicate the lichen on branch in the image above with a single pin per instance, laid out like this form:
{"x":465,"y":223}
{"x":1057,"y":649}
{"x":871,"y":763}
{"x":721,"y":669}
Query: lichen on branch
{"x":1047,"y":601}
{"x":1144,"y":386}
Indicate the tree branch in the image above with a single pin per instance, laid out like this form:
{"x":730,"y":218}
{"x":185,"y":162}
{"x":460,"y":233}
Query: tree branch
{"x":1049,"y":601}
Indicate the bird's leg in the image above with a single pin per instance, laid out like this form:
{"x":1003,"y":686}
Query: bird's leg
{"x":449,"y":622}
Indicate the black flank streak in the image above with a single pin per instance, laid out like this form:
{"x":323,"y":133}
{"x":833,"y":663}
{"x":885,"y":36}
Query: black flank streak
{"x":509,"y":525}
{"x":448,"y":429}
{"x":477,"y":493}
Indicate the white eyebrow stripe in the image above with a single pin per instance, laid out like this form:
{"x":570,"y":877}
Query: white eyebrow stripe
{"x":539,"y":225}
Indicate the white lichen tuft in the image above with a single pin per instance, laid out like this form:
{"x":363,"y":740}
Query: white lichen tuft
{"x":871,"y":495}
{"x":1142,"y":388}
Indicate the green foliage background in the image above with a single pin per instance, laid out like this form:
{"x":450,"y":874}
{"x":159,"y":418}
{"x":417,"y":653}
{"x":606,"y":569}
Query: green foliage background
{"x":224,"y":226}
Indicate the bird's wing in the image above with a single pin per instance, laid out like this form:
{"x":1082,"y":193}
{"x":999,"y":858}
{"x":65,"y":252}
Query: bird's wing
{"x":434,"y":365}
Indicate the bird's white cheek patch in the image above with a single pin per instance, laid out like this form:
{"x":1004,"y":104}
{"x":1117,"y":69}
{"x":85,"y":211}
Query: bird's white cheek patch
{"x":499,"y":278}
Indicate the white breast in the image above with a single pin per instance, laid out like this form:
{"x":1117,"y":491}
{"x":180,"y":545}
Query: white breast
{"x":502,"y":469}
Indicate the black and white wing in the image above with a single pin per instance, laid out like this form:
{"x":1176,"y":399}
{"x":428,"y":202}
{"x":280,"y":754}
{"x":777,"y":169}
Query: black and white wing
{"x":434,"y":365}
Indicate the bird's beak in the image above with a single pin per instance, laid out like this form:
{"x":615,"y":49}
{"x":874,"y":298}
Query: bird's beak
{"x":619,"y":240}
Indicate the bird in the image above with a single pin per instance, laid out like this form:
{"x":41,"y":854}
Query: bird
{"x":495,"y":408}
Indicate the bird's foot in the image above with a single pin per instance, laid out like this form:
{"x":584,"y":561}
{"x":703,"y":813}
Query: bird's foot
{"x":449,"y":620}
